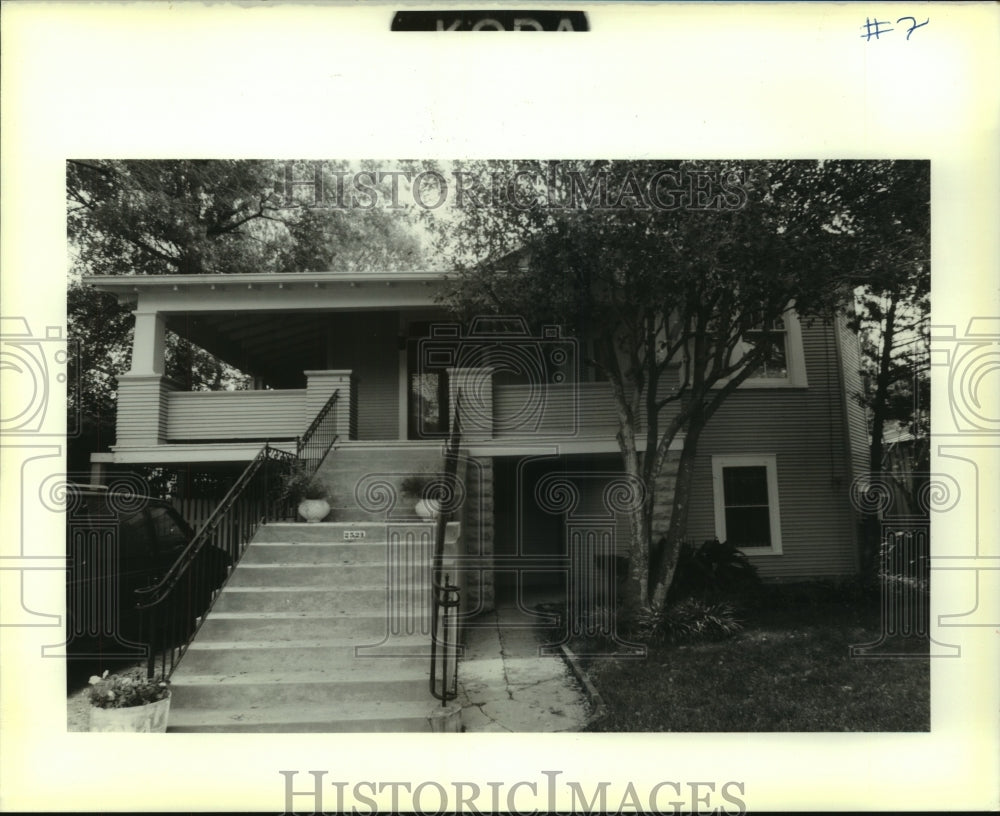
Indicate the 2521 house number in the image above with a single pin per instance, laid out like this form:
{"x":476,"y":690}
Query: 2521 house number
{"x":353,"y":535}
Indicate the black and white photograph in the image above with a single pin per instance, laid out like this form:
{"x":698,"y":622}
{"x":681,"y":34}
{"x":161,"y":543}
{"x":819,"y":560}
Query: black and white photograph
{"x":573,"y":430}
{"x":396,"y":458}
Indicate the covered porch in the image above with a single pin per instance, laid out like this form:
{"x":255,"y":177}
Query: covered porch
{"x":297,"y":339}
{"x":380,"y":341}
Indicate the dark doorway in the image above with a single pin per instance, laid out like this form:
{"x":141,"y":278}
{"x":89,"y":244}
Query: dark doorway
{"x":427,"y":388}
{"x":522,"y":528}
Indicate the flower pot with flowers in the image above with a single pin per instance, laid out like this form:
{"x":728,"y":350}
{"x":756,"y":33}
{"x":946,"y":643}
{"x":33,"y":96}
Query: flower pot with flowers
{"x":306,"y":490}
{"x":129,"y":702}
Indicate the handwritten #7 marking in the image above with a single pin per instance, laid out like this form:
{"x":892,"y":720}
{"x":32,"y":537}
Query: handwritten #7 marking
{"x":873,"y":28}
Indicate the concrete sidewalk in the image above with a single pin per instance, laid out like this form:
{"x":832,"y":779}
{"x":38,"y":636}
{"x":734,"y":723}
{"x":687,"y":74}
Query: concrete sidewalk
{"x":506,"y":685}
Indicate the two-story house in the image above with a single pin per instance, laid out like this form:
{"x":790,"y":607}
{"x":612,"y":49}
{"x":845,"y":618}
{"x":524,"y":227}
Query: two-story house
{"x":541,"y":476}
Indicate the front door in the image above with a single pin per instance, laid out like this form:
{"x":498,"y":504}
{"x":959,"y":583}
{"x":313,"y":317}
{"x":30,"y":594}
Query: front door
{"x":427,"y":389}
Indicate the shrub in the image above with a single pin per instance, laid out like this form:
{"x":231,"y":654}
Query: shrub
{"x":711,"y":570}
{"x":687,"y":620}
{"x":301,"y":483}
{"x":904,"y":561}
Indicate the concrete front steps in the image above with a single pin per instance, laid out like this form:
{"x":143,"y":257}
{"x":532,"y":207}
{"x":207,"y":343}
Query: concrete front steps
{"x":364,"y":478}
{"x":318,"y":630}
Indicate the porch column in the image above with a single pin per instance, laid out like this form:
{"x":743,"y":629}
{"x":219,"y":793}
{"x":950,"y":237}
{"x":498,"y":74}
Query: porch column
{"x":99,"y":467}
{"x":148,"y":343}
{"x":141,"y":418}
{"x":476,"y":408}
{"x":319,"y":386}
{"x":142,"y":409}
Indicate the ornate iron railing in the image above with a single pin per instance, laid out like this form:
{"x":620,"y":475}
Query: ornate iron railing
{"x":446,"y":596}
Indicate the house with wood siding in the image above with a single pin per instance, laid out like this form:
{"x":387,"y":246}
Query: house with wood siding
{"x":541,"y":493}
{"x":788,"y":442}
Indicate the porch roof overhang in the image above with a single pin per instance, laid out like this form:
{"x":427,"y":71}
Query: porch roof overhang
{"x":262,"y":291}
{"x":269,"y":324}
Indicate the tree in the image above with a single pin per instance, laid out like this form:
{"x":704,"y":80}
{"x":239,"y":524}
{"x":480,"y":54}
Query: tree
{"x":99,"y":329}
{"x":191,"y":217}
{"x":893,"y":306}
{"x":673,"y":274}
{"x":892,"y":317}
{"x":895,"y":344}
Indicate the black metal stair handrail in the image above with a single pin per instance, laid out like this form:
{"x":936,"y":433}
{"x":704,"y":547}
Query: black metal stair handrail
{"x":192,"y":583}
{"x":320,"y":428}
{"x":446,"y":596}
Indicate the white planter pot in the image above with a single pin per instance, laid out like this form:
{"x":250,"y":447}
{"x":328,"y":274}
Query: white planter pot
{"x":314,"y":510}
{"x":150,"y":718}
{"x":428,"y":509}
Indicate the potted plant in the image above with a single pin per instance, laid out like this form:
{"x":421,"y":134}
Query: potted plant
{"x":129,"y":702}
{"x":420,"y":488}
{"x":308,"y":491}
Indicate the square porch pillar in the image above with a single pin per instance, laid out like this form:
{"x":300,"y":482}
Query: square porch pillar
{"x":142,"y":409}
{"x":475,"y":388}
{"x":149,"y":343}
{"x":141,"y":417}
{"x":319,"y":386}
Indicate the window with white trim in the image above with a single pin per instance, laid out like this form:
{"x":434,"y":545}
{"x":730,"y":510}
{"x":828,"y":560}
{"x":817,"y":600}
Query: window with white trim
{"x":786,"y":366}
{"x":746,"y":502}
{"x":776,"y":364}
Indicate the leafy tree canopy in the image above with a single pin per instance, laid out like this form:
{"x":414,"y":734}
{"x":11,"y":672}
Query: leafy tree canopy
{"x":188,"y":217}
{"x":666,"y":267}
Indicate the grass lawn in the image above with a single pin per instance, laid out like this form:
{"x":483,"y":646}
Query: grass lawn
{"x":789,"y":670}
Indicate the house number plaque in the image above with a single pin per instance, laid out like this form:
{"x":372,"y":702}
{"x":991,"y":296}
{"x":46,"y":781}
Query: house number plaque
{"x":353,"y":535}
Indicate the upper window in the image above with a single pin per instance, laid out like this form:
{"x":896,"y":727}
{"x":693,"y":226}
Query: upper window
{"x":746,"y":503}
{"x":785,"y":366}
{"x":776,"y":364}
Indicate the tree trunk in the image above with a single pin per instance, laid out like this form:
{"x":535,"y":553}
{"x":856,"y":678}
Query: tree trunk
{"x":870,"y":523}
{"x":635,"y":595}
{"x":882,"y":381}
{"x":680,"y":507}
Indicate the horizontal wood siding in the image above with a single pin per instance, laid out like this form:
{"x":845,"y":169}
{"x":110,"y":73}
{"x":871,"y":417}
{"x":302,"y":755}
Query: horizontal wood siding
{"x":805,"y":429}
{"x":559,"y":410}
{"x":218,"y":415}
{"x":142,"y":409}
{"x":367,"y":344}
{"x":566,"y":410}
